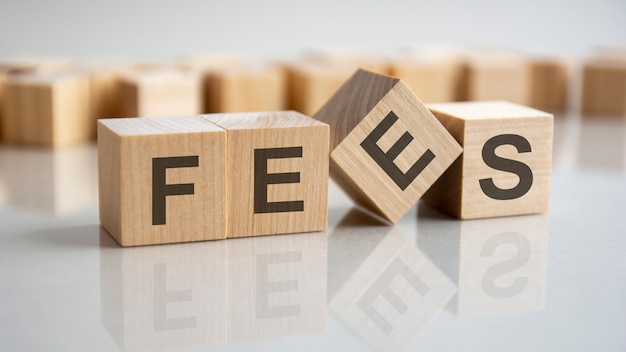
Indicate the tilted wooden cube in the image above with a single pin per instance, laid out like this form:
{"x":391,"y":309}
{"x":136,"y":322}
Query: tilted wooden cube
{"x":387,"y":148}
{"x":47,"y":109}
{"x":162,"y":180}
{"x":277,"y":173}
{"x":245,"y":90}
{"x":161,"y":93}
{"x":604,"y":85}
{"x":506,"y":163}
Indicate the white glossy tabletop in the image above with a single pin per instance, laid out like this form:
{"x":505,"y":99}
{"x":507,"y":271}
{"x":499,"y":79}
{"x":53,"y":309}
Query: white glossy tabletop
{"x":552,"y":282}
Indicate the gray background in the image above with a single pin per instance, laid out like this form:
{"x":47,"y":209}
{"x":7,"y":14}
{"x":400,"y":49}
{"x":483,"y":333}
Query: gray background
{"x":278,"y":28}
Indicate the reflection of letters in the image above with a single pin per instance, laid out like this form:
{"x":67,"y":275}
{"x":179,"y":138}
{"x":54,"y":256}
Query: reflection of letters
{"x":519,"y":260}
{"x":266,"y":287}
{"x":381,"y":288}
{"x":162,"y":297}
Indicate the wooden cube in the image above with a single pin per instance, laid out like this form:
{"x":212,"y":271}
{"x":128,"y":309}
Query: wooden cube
{"x":433,"y":78}
{"x":47,"y":110}
{"x":549,"y":82}
{"x":278,"y":173}
{"x":498,"y":76}
{"x":309,"y":85}
{"x":106,"y":93}
{"x":163,"y":297}
{"x":385,"y":290}
{"x":604,"y":86}
{"x":352,"y":59}
{"x":276,"y":286}
{"x":499,"y":265}
{"x":387,"y":148}
{"x":161,"y":93}
{"x":506,"y":163}
{"x":245,"y":90}
{"x":162,"y":180}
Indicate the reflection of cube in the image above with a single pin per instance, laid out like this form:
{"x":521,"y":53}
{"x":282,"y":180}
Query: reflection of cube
{"x":162,"y":180}
{"x":58,"y":182}
{"x":385,"y":290}
{"x":506,"y":164}
{"x":47,"y":110}
{"x":278,"y":172}
{"x":604,"y":86}
{"x":276,"y":286}
{"x":245,"y":90}
{"x":387,"y":148}
{"x":499,"y":264}
{"x":161,"y":93}
{"x":163,"y":297}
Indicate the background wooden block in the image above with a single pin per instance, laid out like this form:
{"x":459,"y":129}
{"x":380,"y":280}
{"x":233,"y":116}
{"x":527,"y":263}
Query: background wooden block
{"x":245,"y":90}
{"x":106,"y":92}
{"x":276,"y":286}
{"x":387,"y":148}
{"x":352,"y":59}
{"x":310,"y":85}
{"x":433,"y":76}
{"x":506,"y":163}
{"x":207,"y":63}
{"x":604,"y":85}
{"x":278,"y":173}
{"x":162,"y":180}
{"x":499,"y":265}
{"x":498,"y":76}
{"x":385,"y":290}
{"x":163,"y":297}
{"x":47,"y":110}
{"x":161,"y":93}
{"x":549,"y":82}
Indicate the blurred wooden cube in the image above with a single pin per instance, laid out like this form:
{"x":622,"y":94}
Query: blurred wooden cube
{"x":47,"y":109}
{"x":433,"y":78}
{"x":157,"y":93}
{"x":498,"y":76}
{"x":245,"y":90}
{"x":549,"y":83}
{"x":604,"y":85}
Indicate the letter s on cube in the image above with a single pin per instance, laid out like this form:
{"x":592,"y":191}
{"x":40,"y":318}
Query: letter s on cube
{"x":506,"y":164}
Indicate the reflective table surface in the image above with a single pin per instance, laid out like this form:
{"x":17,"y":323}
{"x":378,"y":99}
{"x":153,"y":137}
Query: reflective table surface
{"x":550,"y":282}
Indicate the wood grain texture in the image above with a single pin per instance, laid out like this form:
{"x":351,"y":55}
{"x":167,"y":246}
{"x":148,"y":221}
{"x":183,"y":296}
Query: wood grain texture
{"x":604,"y":85}
{"x":161,"y":93}
{"x":126,"y":152}
{"x":252,"y":140}
{"x":245,"y":90}
{"x":390,"y":172}
{"x":47,"y":109}
{"x":491,"y":157}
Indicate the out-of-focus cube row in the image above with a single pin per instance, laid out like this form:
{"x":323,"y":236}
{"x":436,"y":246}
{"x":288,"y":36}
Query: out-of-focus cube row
{"x":56,"y":102}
